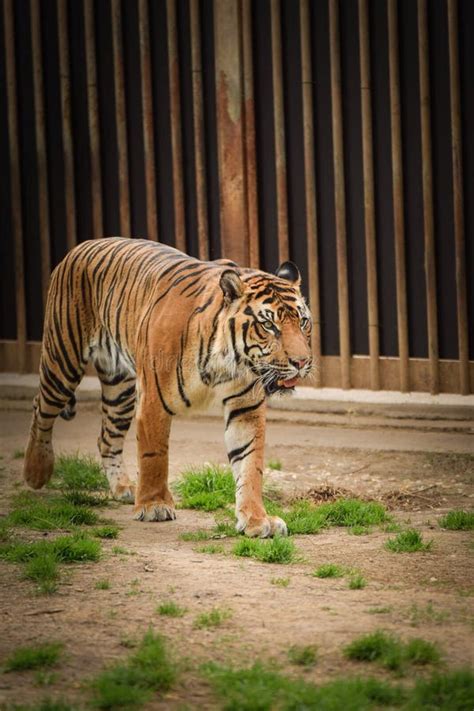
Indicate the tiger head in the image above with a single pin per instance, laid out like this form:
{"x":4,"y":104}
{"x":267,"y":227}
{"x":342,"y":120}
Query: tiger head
{"x":268,"y":325}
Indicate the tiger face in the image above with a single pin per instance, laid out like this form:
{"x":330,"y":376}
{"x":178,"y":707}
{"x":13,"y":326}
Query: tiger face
{"x":269,"y":326}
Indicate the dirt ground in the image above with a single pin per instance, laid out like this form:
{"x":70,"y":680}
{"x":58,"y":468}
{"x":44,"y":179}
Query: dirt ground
{"x":421,"y":471}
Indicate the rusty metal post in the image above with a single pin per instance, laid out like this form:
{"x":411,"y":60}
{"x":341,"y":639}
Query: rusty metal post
{"x":121,"y":119}
{"x":41,"y":152}
{"x":369,"y":199}
{"x":148,"y":120}
{"x":427,"y":183}
{"x":198,"y":121}
{"x":279,"y":122}
{"x":175,"y":121}
{"x":68,"y":145}
{"x":310,"y":186}
{"x":93,"y":120}
{"x":397,"y":182}
{"x":230,"y":130}
{"x":339,"y":195}
{"x":16,"y":206}
{"x":456,"y":148}
{"x":250,"y":147}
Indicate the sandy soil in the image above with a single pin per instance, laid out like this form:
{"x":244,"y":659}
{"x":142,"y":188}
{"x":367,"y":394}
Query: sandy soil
{"x":266,"y":619}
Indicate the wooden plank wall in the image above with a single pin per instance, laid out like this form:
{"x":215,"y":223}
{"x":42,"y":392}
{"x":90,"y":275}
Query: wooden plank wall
{"x":336,"y":134}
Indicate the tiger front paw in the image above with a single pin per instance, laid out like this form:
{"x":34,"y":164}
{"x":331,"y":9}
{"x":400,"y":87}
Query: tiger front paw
{"x":158,"y":510}
{"x":265,"y":527}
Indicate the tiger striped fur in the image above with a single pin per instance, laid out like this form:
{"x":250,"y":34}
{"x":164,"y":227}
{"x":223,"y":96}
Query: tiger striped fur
{"x":168,"y":333}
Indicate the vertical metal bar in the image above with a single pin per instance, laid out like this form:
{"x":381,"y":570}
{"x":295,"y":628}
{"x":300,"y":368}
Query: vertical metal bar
{"x":279,"y":122}
{"x":93,"y":120}
{"x":198,"y":120}
{"x":230,"y":130}
{"x":175,"y":122}
{"x":121,"y":119}
{"x":397,"y":187}
{"x":16,"y":203}
{"x":148,"y":121}
{"x":427,"y":183}
{"x":339,"y":194}
{"x":250,"y":146}
{"x":68,"y":146}
{"x":310,"y":186}
{"x":456,"y":147}
{"x":369,"y":200}
{"x":41,"y":152}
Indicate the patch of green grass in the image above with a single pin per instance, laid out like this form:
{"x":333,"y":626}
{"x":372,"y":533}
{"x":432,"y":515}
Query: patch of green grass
{"x":169,"y":608}
{"x":304,"y":517}
{"x":44,"y":705}
{"x":43,"y":655}
{"x":18,"y":454}
{"x":280,"y":582}
{"x":273,"y":550}
{"x":303,"y":656}
{"x":196,"y":536}
{"x":458,"y":521}
{"x":45,"y":678}
{"x":42,"y":558}
{"x":451,"y":691}
{"x":110,"y":530}
{"x":209,"y":487}
{"x":211,"y":548}
{"x":102,"y":585}
{"x":391,"y":652}
{"x":329,"y":570}
{"x":410,"y":541}
{"x":214,"y":618}
{"x":380,"y":610}
{"x":132,"y":682}
{"x":78,"y":472}
{"x":120,"y":550}
{"x":262,"y":688}
{"x":274,"y":464}
{"x":359,"y":530}
{"x":357,"y":582}
{"x":48,"y":513}
{"x":225,"y":529}
{"x":418,"y":615}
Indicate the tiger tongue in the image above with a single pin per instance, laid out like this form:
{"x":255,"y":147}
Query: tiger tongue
{"x":288,"y":383}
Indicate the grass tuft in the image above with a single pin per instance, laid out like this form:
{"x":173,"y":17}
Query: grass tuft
{"x":48,"y":513}
{"x":18,"y":454}
{"x":211,"y":548}
{"x":357,"y":582}
{"x":43,"y":655}
{"x":102,"y":585}
{"x":409,"y":541}
{"x":196,"y":536}
{"x":274,"y":464}
{"x":452,"y":691}
{"x":329,"y":570}
{"x":303,"y":656}
{"x":42,"y":558}
{"x":110,"y":530}
{"x":131,"y":683}
{"x":261,"y":688}
{"x":280,"y":582}
{"x":170,"y":608}
{"x":391,"y":652}
{"x":458,"y":521}
{"x":78,"y":472}
{"x":305,"y":517}
{"x":209,"y":487}
{"x":213,"y":618}
{"x":274,"y":550}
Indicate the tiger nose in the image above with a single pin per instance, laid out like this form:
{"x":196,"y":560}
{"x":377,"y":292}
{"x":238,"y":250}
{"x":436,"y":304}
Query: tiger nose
{"x":299,"y":362}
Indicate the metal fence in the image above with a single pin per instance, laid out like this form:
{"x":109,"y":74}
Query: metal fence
{"x":335,"y":133}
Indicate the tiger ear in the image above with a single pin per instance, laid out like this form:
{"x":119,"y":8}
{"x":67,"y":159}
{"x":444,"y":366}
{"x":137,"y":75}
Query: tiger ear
{"x":231,"y":285}
{"x":290,"y":272}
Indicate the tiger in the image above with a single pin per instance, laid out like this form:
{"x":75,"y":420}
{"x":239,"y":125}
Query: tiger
{"x":167,"y":334}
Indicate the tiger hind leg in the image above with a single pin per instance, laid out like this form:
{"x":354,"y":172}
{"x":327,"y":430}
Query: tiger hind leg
{"x":118,"y":407}
{"x":55,"y":397}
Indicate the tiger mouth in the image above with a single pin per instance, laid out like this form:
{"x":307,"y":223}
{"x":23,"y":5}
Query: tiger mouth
{"x":281,"y":385}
